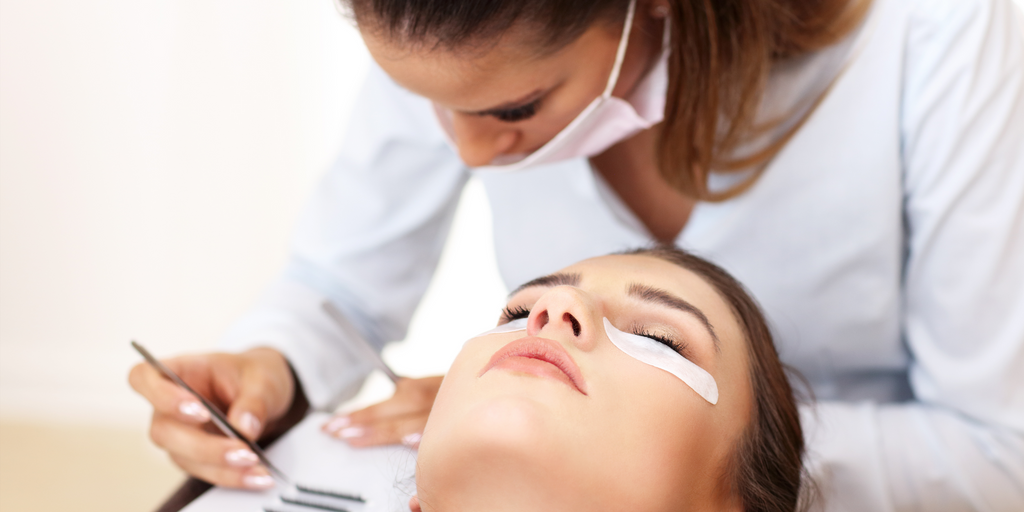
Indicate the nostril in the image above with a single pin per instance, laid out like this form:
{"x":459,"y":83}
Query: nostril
{"x":542,"y":319}
{"x":576,"y":328}
{"x":538,"y":323}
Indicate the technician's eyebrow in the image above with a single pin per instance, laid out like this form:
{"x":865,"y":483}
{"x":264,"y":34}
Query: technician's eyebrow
{"x":549,"y":281}
{"x":510,"y":105}
{"x":656,"y":296}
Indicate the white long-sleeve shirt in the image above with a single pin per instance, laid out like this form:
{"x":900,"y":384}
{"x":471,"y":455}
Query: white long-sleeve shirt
{"x":885,"y":243}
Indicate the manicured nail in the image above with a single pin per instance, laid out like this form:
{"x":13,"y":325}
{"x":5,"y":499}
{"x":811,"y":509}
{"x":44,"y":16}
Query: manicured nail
{"x":250,"y":424}
{"x":412,"y":440}
{"x":337,"y":423}
{"x":241,"y":458}
{"x":351,"y":432}
{"x":194,"y":410}
{"x":258,"y":481}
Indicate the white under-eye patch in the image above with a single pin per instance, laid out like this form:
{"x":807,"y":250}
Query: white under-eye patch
{"x":658,"y":355}
{"x":514,"y":325}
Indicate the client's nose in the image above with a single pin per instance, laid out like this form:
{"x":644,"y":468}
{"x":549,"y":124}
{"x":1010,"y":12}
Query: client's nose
{"x":563,"y":313}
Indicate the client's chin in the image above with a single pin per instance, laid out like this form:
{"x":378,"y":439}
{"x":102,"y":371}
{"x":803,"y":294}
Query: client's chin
{"x":499,"y":456}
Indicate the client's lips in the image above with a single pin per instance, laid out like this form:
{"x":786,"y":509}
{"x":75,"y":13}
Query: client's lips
{"x":541,"y":357}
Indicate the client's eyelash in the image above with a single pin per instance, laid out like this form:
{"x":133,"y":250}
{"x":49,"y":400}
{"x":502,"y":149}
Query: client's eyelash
{"x":681,"y":348}
{"x":514,"y":313}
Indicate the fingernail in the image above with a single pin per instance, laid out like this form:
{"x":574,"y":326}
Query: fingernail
{"x":351,"y":432}
{"x":412,"y":440}
{"x":250,"y":424}
{"x":194,"y":410}
{"x":241,"y":458}
{"x":258,"y":481}
{"x":337,"y":423}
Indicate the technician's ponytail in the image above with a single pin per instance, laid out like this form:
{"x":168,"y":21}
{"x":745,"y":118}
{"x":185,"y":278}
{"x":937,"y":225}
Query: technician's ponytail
{"x":722,"y":54}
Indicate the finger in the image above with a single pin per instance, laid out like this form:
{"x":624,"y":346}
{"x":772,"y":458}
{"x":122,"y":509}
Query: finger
{"x":265,"y":391}
{"x":166,"y":397}
{"x":254,"y":478}
{"x":248,"y":412}
{"x":404,"y":430}
{"x":190,"y":443}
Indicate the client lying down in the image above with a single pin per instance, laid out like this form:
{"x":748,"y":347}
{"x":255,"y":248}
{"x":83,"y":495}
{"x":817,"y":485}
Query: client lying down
{"x":644,"y":382}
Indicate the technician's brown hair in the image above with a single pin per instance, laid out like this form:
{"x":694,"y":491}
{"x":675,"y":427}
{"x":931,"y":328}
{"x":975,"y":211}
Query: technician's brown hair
{"x":722,"y":54}
{"x":767,"y":468}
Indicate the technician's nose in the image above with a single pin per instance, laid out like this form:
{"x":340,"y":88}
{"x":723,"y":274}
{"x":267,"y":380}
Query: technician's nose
{"x":482,"y":139}
{"x":564,"y":313}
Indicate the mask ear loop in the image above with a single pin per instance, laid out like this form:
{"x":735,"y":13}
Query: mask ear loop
{"x":620,"y":53}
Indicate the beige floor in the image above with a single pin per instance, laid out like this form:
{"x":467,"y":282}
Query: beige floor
{"x":48,"y":468}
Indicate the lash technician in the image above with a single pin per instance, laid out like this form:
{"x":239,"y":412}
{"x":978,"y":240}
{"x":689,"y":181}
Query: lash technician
{"x":857,"y":164}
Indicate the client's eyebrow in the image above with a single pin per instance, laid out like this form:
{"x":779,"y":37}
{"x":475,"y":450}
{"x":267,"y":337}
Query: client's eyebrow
{"x":549,"y":281}
{"x":656,"y":296}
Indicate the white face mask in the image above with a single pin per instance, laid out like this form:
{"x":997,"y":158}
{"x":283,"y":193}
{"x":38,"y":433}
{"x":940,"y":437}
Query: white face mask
{"x":606,"y":121}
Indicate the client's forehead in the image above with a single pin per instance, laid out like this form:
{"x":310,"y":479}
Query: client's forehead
{"x":614,"y":270}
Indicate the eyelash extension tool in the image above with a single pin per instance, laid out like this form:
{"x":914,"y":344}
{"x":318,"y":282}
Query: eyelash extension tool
{"x":216,"y":416}
{"x":368,"y":350}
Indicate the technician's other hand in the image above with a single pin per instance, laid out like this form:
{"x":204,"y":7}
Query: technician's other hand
{"x":254,"y":387}
{"x":399,"y":419}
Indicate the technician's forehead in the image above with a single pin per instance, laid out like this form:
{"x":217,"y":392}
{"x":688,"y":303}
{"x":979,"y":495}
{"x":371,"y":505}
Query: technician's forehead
{"x":463,"y":80}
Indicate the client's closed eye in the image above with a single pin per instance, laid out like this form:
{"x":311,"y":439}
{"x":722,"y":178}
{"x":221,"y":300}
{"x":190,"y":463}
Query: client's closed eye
{"x":510,"y":313}
{"x":673,"y":344}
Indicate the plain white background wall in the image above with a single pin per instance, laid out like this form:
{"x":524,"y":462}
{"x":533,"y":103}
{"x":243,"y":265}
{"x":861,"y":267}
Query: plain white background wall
{"x":153,"y":159}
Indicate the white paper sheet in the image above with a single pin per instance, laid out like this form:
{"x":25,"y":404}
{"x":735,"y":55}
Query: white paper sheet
{"x":384,"y":476}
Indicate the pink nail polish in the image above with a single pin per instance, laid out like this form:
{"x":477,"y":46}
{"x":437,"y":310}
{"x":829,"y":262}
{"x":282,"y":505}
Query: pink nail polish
{"x":250,"y":424}
{"x":194,"y":410}
{"x":258,"y":481}
{"x":241,"y":458}
{"x":412,"y":440}
{"x":336,"y":424}
{"x":351,"y":432}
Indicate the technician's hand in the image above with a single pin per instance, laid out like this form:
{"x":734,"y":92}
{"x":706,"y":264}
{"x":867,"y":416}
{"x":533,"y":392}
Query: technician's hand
{"x":399,"y":419}
{"x":255,"y":388}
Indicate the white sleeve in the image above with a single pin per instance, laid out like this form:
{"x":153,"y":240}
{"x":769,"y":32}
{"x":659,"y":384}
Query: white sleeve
{"x":960,"y":444}
{"x":369,"y":241}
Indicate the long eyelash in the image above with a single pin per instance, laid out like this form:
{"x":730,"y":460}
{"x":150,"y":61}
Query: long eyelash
{"x":681,"y":348}
{"x":510,"y":313}
{"x":516,"y":114}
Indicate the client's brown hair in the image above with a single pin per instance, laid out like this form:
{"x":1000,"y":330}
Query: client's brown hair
{"x":766,"y":469}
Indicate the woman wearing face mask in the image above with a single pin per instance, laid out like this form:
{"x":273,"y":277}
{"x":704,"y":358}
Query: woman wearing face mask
{"x":856,"y":164}
{"x":645,"y":382}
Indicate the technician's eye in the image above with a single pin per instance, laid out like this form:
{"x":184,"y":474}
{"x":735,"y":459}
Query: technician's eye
{"x":509,"y":314}
{"x":512,"y":115}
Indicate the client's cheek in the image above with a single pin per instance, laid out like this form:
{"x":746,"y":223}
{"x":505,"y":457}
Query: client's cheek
{"x":654,"y":437}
